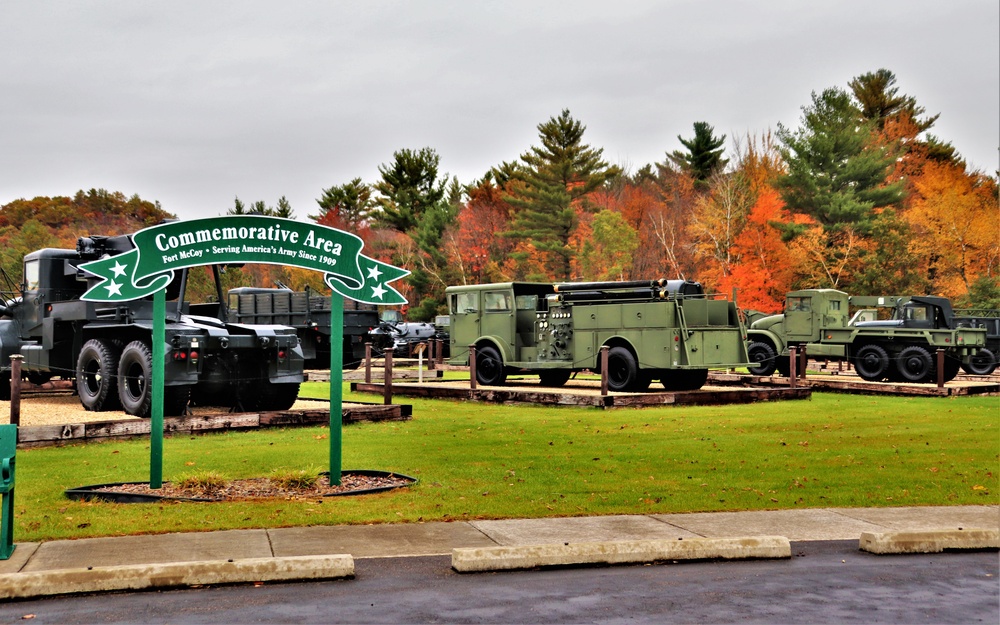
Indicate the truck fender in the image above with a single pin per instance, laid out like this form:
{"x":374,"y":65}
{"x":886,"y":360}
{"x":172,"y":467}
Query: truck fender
{"x":496,"y":343}
{"x":776,"y":340}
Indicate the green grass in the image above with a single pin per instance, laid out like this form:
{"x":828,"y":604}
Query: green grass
{"x":492,"y":461}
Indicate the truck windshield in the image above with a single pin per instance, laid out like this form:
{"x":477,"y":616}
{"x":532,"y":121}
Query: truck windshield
{"x":31,"y":274}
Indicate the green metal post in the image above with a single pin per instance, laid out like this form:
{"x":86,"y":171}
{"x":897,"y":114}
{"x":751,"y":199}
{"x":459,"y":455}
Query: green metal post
{"x":336,"y":385}
{"x":156,"y":383}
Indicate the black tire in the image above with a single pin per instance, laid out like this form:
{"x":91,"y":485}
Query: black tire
{"x":623,"y":370}
{"x":5,"y":386}
{"x":983,"y":362}
{"x":96,"y":376}
{"x":553,"y":377}
{"x":134,"y":375}
{"x":684,"y":379}
{"x":765,"y":357}
{"x":914,"y":364}
{"x":871,"y":362}
{"x":489,"y":367}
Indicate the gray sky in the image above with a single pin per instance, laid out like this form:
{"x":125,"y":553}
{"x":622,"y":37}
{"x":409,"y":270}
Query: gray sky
{"x":191,"y":103}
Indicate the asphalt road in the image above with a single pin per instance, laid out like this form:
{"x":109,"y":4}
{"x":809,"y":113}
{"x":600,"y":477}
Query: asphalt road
{"x":824,"y":582}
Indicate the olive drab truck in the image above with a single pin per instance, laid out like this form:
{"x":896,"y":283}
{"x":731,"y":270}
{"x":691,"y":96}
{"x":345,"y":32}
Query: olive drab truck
{"x":900,"y":349}
{"x":984,"y":361}
{"x":107,"y":347}
{"x":663,"y":330}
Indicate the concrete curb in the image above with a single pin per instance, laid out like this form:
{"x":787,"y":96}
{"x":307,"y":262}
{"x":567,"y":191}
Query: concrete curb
{"x":172,"y":575}
{"x":620,"y":552}
{"x":930,"y":541}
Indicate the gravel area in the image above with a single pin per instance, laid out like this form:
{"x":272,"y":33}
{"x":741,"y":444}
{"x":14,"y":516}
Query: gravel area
{"x":264,"y":488}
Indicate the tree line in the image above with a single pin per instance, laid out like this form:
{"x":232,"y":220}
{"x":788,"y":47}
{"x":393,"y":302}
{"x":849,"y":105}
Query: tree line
{"x":859,"y":196}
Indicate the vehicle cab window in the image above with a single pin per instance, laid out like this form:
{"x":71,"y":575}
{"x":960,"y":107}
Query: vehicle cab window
{"x":497,"y":301}
{"x":31,"y":275}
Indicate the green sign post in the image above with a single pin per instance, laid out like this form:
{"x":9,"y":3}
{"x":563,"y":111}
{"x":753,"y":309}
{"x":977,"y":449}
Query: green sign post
{"x":163,"y":249}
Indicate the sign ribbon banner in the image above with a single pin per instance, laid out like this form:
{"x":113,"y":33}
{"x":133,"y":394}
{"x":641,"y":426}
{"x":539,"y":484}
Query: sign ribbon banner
{"x":235,"y":239}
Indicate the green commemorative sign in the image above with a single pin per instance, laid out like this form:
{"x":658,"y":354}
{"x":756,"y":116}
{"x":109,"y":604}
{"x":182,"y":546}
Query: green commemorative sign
{"x":238,"y":239}
{"x":162,"y":249}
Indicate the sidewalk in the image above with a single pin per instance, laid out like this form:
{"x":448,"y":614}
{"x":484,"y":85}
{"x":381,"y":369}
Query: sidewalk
{"x":49,"y":565}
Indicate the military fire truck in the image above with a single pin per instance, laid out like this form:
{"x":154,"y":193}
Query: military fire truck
{"x":663,"y":329}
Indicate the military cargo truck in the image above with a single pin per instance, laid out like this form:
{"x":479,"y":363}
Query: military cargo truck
{"x":666,"y":330}
{"x":309,"y":313}
{"x":898,"y":349}
{"x":107,"y":347}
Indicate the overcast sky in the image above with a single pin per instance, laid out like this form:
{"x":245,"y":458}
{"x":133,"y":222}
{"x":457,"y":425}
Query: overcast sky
{"x":191,"y":103}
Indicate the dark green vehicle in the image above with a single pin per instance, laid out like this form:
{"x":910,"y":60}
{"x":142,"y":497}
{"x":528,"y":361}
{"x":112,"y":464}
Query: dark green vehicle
{"x":655,"y":330}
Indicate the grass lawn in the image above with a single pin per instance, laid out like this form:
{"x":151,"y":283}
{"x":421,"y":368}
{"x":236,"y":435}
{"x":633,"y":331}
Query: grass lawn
{"x":491,"y":461}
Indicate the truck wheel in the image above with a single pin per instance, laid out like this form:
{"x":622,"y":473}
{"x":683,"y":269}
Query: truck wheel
{"x":915,"y":364}
{"x":553,"y":377}
{"x":871,"y":362}
{"x":489,"y":367}
{"x":685,"y":379}
{"x":765,"y":357}
{"x":96,"y":372}
{"x":983,"y":362}
{"x":623,"y":371}
{"x":133,"y":379}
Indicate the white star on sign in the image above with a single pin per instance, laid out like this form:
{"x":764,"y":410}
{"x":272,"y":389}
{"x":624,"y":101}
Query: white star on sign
{"x":374,"y":273}
{"x":378,"y":291}
{"x":114,"y":288}
{"x":118,"y":269}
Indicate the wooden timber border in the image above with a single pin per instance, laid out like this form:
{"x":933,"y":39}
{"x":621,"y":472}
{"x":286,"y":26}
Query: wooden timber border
{"x":583,"y":393}
{"x":93,"y":431}
{"x":845,"y":383}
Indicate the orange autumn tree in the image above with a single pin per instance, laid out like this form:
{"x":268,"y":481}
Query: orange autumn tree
{"x":765,"y":267}
{"x":955,"y":226}
{"x":475,"y":244}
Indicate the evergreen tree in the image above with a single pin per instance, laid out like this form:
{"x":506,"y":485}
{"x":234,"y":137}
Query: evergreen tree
{"x":555,"y":177}
{"x":351,"y":203}
{"x":704,"y":154}
{"x":879,"y":99}
{"x":408,"y":188}
{"x":836,"y":172}
{"x":283,"y":209}
{"x":412,"y":201}
{"x":238,"y":207}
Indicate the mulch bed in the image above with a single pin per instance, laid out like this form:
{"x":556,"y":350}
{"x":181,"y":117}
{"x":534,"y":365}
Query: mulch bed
{"x":351,"y":483}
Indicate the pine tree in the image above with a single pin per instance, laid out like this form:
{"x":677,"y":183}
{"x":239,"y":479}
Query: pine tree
{"x":836,"y":172}
{"x":880,"y":101}
{"x":554,"y":180}
{"x":704,"y":153}
{"x":351,"y":203}
{"x":408,"y":188}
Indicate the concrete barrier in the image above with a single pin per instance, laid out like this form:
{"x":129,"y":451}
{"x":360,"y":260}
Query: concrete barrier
{"x":175,"y":574}
{"x":618,"y":552}
{"x":929,"y":541}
